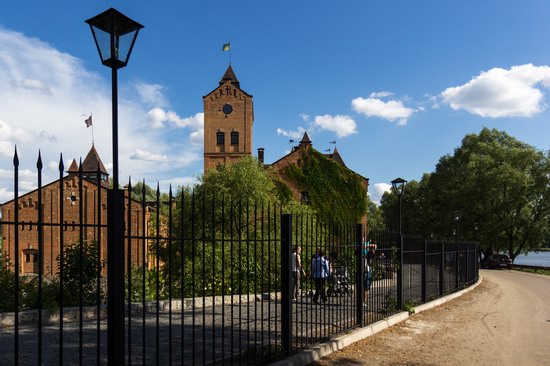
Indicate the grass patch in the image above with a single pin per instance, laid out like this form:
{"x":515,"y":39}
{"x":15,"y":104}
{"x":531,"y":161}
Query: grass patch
{"x":536,"y":271}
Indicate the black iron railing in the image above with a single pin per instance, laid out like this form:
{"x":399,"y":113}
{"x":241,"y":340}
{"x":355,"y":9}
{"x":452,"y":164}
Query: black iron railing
{"x":208,"y":278}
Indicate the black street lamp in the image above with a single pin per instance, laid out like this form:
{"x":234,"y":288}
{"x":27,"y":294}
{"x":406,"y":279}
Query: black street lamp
{"x":476,"y":228}
{"x":398,"y":187}
{"x":114,"y":35}
{"x":456,"y":218}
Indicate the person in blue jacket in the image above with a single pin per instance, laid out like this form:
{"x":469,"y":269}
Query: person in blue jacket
{"x":320,"y":270}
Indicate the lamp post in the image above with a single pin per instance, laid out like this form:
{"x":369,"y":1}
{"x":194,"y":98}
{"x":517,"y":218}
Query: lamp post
{"x":114,"y":35}
{"x":398,"y":187}
{"x":456,"y":218}
{"x":476,"y":228}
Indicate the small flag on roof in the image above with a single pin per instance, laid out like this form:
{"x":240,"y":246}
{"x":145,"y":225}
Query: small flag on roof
{"x":226,"y":46}
{"x":332,"y":142}
{"x":88,"y":121}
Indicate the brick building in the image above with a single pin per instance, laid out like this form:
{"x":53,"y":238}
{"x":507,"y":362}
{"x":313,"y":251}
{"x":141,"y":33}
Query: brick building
{"x":229,"y":112}
{"x":74,"y":207}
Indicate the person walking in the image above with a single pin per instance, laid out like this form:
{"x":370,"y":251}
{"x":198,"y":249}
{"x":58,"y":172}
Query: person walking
{"x":320,"y":270}
{"x":369,"y":251}
{"x":296,"y":266}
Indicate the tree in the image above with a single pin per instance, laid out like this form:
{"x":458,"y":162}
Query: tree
{"x":242,"y":180}
{"x":414,"y":207}
{"x":498,"y":182}
{"x":375,"y":219}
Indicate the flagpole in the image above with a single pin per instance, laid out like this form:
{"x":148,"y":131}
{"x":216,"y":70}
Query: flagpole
{"x":92,"y":132}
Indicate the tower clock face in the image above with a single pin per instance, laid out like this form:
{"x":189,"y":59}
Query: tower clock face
{"x":227,"y":109}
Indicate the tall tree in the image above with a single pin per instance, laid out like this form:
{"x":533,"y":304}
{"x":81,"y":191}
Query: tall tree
{"x":498,"y":182}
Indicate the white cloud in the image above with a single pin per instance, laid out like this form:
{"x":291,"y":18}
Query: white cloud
{"x":381,"y":94}
{"x":392,"y":110}
{"x":197,"y":136}
{"x":378,"y":191}
{"x":502,"y":93}
{"x":151,"y":94}
{"x":159,"y":118}
{"x":22,"y":135}
{"x":304,"y":116}
{"x":148,"y":156}
{"x":341,"y":125}
{"x":5,"y":195}
{"x":295,"y":135}
{"x":45,"y":96}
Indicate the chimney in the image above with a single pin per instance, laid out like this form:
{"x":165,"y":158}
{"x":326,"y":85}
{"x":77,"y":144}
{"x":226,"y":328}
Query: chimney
{"x":261,"y":154}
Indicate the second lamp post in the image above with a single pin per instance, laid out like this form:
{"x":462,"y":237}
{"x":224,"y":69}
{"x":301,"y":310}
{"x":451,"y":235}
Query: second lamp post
{"x":398,"y":187}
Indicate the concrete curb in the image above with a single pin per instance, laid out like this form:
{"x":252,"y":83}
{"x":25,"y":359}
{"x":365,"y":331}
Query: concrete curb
{"x":340,"y":342}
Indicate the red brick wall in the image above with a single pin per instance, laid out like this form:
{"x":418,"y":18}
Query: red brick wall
{"x":64,"y":230}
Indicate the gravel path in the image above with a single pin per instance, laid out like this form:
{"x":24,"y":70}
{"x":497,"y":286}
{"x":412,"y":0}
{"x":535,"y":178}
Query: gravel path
{"x":503,"y":321}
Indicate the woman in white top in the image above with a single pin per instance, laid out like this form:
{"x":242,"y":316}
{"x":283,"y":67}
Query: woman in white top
{"x":296,"y":267}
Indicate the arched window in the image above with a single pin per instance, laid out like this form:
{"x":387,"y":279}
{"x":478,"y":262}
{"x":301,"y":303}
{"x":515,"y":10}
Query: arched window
{"x":234,"y":138}
{"x":220,"y":138}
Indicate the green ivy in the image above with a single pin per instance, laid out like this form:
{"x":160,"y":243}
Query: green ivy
{"x":333,"y":190}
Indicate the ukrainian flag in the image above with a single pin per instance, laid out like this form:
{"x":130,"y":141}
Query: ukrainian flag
{"x":226,"y":46}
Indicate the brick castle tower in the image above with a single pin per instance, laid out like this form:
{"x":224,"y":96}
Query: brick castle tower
{"x":228,"y":119}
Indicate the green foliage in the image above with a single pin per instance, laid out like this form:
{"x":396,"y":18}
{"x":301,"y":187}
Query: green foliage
{"x":137,"y":277}
{"x":7,"y":284}
{"x":530,"y":270}
{"x":80,"y":273}
{"x":409,"y":306}
{"x":241,"y":180}
{"x":390,"y":304}
{"x":375,"y":218}
{"x":335,"y":192}
{"x":138,"y":191}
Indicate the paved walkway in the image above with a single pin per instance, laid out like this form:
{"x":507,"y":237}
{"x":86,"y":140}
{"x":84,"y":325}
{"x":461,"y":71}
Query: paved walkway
{"x":505,"y":320}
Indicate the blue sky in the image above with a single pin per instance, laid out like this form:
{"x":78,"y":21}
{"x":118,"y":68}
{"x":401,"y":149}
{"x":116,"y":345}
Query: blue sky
{"x":396,"y":83}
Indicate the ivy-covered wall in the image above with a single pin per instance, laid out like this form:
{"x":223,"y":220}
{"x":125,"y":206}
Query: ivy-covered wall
{"x":334,"y":191}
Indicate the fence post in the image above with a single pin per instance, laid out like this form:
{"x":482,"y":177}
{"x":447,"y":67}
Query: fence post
{"x":400,"y":273}
{"x":424,"y":271}
{"x":442,"y":269}
{"x":286,"y":283}
{"x":115,"y":277}
{"x":456,"y":265}
{"x":359,"y":273}
{"x":467,"y":277}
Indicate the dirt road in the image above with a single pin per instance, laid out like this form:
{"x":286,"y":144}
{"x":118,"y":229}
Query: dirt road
{"x":504,"y":321}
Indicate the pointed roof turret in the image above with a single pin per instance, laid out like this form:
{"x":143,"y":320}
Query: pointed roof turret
{"x":90,"y":164}
{"x":305,"y":140}
{"x":74,"y":167}
{"x":337,"y":158}
{"x":230,"y":76}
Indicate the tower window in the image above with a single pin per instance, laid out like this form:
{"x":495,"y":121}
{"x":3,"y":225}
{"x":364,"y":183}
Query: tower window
{"x":220,"y":138}
{"x":234,"y":138}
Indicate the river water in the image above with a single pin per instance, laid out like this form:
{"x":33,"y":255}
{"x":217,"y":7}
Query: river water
{"x":534,"y":259}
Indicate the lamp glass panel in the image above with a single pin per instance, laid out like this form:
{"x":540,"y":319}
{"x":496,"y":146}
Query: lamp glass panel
{"x":103,"y":40}
{"x":124,"y":43}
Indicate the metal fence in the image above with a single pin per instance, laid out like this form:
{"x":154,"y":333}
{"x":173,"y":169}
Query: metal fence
{"x":207,"y":279}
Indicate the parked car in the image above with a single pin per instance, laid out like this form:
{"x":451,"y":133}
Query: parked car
{"x":496,"y":261}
